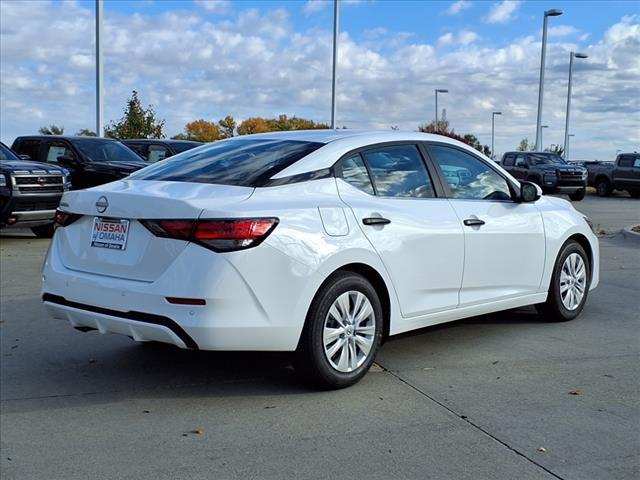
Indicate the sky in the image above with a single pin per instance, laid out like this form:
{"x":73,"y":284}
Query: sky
{"x":208,"y":59}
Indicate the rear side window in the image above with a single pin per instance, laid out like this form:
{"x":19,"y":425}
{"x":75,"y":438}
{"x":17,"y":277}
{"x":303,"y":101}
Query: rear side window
{"x":399,"y":171}
{"x":508,"y":160}
{"x":626,"y":161}
{"x":28,"y":147}
{"x":241,"y":162}
{"x":355,"y":172}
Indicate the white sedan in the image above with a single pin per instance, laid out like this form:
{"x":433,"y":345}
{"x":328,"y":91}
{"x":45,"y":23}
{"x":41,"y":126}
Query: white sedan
{"x":320,"y":242}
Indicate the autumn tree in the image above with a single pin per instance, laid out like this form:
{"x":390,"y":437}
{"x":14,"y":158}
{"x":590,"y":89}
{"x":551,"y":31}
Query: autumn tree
{"x":282,"y":123}
{"x":202,"y":131}
{"x":254,"y":125}
{"x":51,"y":130}
{"x":137,"y":122}
{"x":443,"y":128}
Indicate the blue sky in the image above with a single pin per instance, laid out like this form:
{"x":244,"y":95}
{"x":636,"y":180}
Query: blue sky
{"x":200,"y":59}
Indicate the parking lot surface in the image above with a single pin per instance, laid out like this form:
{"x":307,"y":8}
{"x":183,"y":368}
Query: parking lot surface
{"x":502,"y":396}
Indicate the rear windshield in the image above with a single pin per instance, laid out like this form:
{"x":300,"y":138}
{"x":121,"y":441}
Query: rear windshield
{"x":97,"y":150}
{"x":240,"y":162}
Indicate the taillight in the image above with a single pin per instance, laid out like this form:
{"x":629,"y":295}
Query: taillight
{"x":63,"y":219}
{"x":224,"y":235}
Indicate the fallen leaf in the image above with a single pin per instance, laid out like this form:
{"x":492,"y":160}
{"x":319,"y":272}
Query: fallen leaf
{"x":269,"y":406}
{"x":493,"y":363}
{"x":575,"y":392}
{"x":199,"y":431}
{"x":542,"y":449}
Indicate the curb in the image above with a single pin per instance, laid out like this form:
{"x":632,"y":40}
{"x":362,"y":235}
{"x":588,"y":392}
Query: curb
{"x":629,"y":234}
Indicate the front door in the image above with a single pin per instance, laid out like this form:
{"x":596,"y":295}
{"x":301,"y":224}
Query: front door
{"x":504,"y":240}
{"x":416,"y":234}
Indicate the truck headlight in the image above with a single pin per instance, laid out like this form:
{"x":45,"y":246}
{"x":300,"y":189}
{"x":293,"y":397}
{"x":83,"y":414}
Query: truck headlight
{"x":3,"y":180}
{"x":585,"y":174}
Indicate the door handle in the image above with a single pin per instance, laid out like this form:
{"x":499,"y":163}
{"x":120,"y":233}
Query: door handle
{"x":376,"y":221}
{"x":473,"y":222}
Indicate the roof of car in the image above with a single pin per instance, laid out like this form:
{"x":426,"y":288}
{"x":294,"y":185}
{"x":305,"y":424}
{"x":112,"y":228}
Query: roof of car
{"x":162,"y":140}
{"x":65,"y":137}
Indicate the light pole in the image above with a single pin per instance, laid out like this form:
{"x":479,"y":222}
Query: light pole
{"x":549,"y":13}
{"x":572,"y":55}
{"x":493,"y":130}
{"x":566,"y":147}
{"x":335,"y":62}
{"x":541,"y":127}
{"x":438,"y":90}
{"x":99,"y":70}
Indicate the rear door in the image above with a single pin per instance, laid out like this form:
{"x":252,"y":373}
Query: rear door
{"x":415,"y":232}
{"x":504,"y":240}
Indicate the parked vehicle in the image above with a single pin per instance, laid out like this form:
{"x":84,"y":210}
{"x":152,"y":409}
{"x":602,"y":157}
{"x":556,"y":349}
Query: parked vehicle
{"x":623,"y":174}
{"x":320,"y":242}
{"x":549,"y":171}
{"x":91,"y":161}
{"x":154,"y":149}
{"x":29,"y":193}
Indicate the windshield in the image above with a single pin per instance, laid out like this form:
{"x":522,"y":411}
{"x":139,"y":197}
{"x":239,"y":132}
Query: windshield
{"x":184,"y":146}
{"x":546,"y":159}
{"x":232,"y":162}
{"x":6,"y":154}
{"x":105,"y":150}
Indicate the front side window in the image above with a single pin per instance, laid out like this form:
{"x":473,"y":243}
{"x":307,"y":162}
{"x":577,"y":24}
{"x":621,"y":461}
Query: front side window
{"x":57,"y":149}
{"x":157,"y":153}
{"x":469,"y":177}
{"x":636,"y":162}
{"x":241,"y":162}
{"x":508,"y":160}
{"x":399,"y":171}
{"x":355,"y":172}
{"x":626,"y":161}
{"x":520,"y":161}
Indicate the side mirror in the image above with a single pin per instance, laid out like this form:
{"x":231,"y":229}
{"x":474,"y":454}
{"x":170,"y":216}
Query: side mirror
{"x":24,"y":156}
{"x":529,"y":192}
{"x":68,"y":161}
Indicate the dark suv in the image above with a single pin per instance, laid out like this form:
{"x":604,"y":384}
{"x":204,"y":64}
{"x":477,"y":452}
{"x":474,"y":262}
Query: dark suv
{"x":154,"y":149}
{"x":91,"y":160}
{"x":29,"y":193}
{"x":549,"y":171}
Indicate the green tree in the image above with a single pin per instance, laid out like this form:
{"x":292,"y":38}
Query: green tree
{"x":559,"y":149}
{"x":85,"y":132}
{"x":137,"y":122}
{"x":227,"y":126}
{"x":524,"y":146}
{"x":51,"y":130}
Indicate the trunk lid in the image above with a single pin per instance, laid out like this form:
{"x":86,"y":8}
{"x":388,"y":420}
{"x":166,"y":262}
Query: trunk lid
{"x":145,"y":257}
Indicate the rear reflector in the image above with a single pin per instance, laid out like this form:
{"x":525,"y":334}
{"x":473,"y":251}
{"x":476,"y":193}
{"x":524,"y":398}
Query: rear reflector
{"x":62,"y":219}
{"x":219,"y":235}
{"x":186,"y":301}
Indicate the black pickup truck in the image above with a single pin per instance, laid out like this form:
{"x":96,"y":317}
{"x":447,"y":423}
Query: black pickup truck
{"x":90,"y":160}
{"x":549,"y":171}
{"x":623,"y":174}
{"x":29,"y":193}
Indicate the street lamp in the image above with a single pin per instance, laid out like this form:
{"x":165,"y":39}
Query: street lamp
{"x":99,"y":71}
{"x":566,"y":148}
{"x":493,"y":129}
{"x":438,"y":90}
{"x":572,"y":55}
{"x":549,"y":13}
{"x":541,"y":127}
{"x":335,"y":61}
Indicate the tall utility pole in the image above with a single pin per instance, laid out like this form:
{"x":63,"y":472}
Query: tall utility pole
{"x":572,"y":55}
{"x":99,"y":70}
{"x":438,"y":90}
{"x":493,"y":130}
{"x":549,"y":13}
{"x":336,"y":18}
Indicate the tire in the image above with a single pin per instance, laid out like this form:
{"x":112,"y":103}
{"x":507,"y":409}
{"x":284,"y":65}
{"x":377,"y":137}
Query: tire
{"x":43,"y":231}
{"x":558,"y":308}
{"x":578,"y":195}
{"x":634,"y":193}
{"x":603,"y":187}
{"x":333,"y":365}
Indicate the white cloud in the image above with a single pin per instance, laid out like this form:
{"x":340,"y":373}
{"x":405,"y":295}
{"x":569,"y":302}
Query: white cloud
{"x":561,"y":31}
{"x":457,"y":7}
{"x":315,"y":6}
{"x":219,"y":7}
{"x":502,"y":12}
{"x":190,"y":65}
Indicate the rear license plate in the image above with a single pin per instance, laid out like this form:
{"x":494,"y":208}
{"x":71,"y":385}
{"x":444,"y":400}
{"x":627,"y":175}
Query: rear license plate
{"x":110,"y":233}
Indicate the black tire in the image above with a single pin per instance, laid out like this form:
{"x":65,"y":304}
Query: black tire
{"x":554,"y":310}
{"x":578,"y":195}
{"x":43,"y":231}
{"x":311,"y":362}
{"x":603,"y":187}
{"x":634,"y":193}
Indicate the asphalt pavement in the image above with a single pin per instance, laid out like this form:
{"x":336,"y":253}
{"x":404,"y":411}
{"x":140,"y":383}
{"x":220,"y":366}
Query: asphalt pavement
{"x":503,"y":396}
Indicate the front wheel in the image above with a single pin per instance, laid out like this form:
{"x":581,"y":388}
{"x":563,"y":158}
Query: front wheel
{"x":577,"y":195}
{"x":603,"y":187}
{"x":569,"y":285}
{"x":43,"y":231}
{"x":342,"y":332}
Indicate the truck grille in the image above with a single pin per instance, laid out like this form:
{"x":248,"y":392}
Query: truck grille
{"x":27,"y":206}
{"x":571,"y":179}
{"x":39,"y":183}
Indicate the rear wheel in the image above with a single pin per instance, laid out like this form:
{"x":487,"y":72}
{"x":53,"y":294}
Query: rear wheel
{"x":577,"y":195}
{"x":342,"y":333}
{"x":43,"y":231}
{"x":569,"y":285}
{"x":603,"y":187}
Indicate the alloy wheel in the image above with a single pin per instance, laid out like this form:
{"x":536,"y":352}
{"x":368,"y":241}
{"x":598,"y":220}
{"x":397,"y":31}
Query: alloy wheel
{"x":573,"y":281}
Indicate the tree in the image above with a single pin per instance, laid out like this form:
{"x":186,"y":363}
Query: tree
{"x":559,"y":149}
{"x":524,"y":146}
{"x":85,"y":132}
{"x":227,"y":126}
{"x":441,"y":127}
{"x":51,"y":130}
{"x":254,"y":125}
{"x":282,"y":123}
{"x":202,"y":131}
{"x":137,"y":122}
